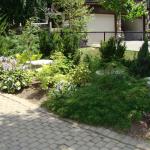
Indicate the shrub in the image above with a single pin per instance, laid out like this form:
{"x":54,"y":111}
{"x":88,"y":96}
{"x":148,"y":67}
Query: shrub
{"x":80,"y":75}
{"x":141,"y":65}
{"x":108,"y":49}
{"x":61,"y":89}
{"x":93,"y":62}
{"x":61,"y":65}
{"x":77,"y":57}
{"x":112,"y":49}
{"x":12,"y":81}
{"x":50,"y":42}
{"x":120,"y":49}
{"x":112,"y":68}
{"x":15,"y":43}
{"x":27,"y":56}
{"x":67,"y":41}
{"x":110,"y":100}
{"x":6,"y":44}
{"x":62,"y":70}
{"x":71,"y":42}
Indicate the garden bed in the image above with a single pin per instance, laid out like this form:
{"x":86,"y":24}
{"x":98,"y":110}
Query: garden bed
{"x":34,"y":94}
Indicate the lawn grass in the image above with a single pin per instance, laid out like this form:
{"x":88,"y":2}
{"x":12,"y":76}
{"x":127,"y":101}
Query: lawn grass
{"x":94,"y":52}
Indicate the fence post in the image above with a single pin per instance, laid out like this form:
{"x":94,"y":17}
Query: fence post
{"x":104,"y":36}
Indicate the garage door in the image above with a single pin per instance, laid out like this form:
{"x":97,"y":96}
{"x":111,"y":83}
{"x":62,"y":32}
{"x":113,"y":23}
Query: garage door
{"x":100,"y":23}
{"x":133,"y":26}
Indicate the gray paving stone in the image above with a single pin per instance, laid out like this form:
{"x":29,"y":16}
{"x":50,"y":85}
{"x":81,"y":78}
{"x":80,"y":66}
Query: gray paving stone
{"x":24,"y":127}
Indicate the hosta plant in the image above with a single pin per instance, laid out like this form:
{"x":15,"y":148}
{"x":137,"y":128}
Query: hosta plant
{"x":12,"y":81}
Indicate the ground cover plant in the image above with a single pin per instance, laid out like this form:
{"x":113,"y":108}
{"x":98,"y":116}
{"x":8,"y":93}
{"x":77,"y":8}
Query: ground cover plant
{"x":113,"y":97}
{"x":110,"y":100}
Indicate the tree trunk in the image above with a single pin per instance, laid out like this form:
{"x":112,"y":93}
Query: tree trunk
{"x":119,"y":30}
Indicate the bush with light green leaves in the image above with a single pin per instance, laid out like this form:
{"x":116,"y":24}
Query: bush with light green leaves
{"x":12,"y":81}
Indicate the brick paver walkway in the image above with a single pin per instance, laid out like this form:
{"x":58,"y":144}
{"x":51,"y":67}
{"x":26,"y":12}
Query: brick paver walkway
{"x":23,"y":126}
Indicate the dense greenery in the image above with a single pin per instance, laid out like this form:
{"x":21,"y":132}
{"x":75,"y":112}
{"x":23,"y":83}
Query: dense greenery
{"x":110,"y":100}
{"x":66,"y":41}
{"x":130,"y":9}
{"x":74,"y":12}
{"x":112,"y":49}
{"x":112,"y":97}
{"x":48,"y":74}
{"x":18,"y":11}
{"x":141,"y":65}
{"x":26,"y":42}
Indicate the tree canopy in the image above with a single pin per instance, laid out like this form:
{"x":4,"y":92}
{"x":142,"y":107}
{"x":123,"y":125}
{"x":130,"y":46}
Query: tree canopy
{"x":74,"y":11}
{"x":129,"y":9}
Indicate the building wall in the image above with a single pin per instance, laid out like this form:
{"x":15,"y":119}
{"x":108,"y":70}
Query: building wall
{"x":100,"y":23}
{"x":133,"y":26}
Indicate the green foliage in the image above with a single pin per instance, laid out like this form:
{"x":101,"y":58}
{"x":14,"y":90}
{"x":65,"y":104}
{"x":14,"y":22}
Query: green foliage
{"x":63,"y":88}
{"x":75,"y":12}
{"x":3,"y":25}
{"x":47,"y":75}
{"x":18,"y":11}
{"x":71,"y":42}
{"x":110,"y":100}
{"x":77,"y":57}
{"x":27,"y":42}
{"x":62,"y":71}
{"x":108,"y":49}
{"x":120,"y":49}
{"x":24,"y":57}
{"x":141,"y":65}
{"x":67,"y":41}
{"x":50,"y":42}
{"x":6,"y":44}
{"x":129,"y":8}
{"x":112,"y":68}
{"x":144,"y":51}
{"x":80,"y":75}
{"x":12,"y":81}
{"x":112,"y":49}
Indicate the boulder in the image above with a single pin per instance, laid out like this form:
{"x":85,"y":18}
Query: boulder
{"x":148,"y":84}
{"x":39,"y":63}
{"x":148,"y":81}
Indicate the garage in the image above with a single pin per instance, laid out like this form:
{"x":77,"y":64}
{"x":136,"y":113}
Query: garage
{"x":100,"y":23}
{"x":131,"y":27}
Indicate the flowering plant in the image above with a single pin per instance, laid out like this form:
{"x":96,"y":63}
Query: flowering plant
{"x":62,"y":88}
{"x":8,"y":63}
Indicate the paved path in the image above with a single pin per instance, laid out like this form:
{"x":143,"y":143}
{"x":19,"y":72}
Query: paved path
{"x":24,"y":126}
{"x":131,"y":45}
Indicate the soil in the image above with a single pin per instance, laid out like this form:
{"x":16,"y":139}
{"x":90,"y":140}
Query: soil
{"x":140,"y":130}
{"x":34,"y":94}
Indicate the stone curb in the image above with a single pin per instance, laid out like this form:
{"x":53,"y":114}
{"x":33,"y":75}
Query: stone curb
{"x":124,"y":139}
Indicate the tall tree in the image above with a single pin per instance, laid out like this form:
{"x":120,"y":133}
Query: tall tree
{"x":75,"y":12}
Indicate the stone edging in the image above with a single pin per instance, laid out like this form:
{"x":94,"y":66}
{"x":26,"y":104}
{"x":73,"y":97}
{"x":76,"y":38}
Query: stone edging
{"x":140,"y":144}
